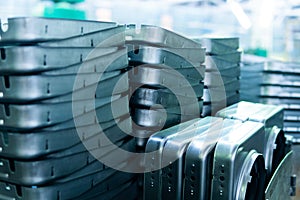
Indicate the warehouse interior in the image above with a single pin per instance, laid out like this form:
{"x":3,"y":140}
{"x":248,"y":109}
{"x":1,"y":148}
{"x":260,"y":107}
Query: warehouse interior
{"x":150,"y":99}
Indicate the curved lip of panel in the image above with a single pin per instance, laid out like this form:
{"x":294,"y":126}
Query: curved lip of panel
{"x":252,"y":159}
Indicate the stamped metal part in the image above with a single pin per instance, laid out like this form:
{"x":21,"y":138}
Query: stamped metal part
{"x":152,"y":180}
{"x":243,"y":145}
{"x":32,"y":116}
{"x":55,"y":166}
{"x":220,"y":45}
{"x":218,"y":95}
{"x":165,"y":97}
{"x":56,"y":88}
{"x":174,"y":57}
{"x":33,"y":59}
{"x":199,"y":160}
{"x":234,"y":71}
{"x":218,"y":105}
{"x":110,"y":37}
{"x":210,"y":80}
{"x":279,"y":186}
{"x":34,"y":29}
{"x":280,"y":91}
{"x":174,"y":153}
{"x":223,"y":61}
{"x":64,"y":188}
{"x":283,"y":67}
{"x":161,"y":75}
{"x":281,"y":79}
{"x":272,"y":117}
{"x":164,"y":117}
{"x":154,"y":35}
{"x":44,"y":142}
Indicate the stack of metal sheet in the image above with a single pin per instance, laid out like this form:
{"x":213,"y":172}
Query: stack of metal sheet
{"x":166,"y":79}
{"x":276,"y":83}
{"x":56,"y":90}
{"x":221,"y":83}
{"x":220,"y":158}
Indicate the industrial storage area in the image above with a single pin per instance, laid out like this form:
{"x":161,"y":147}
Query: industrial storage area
{"x":149,"y":100}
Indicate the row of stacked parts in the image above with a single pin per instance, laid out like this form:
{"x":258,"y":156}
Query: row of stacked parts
{"x":67,"y":86}
{"x":274,"y":82}
{"x":241,"y":153}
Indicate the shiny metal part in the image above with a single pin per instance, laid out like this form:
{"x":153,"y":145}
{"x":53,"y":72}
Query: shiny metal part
{"x":279,"y":186}
{"x":53,"y":167}
{"x":283,"y":67}
{"x":166,"y":117}
{"x":62,"y":187}
{"x":152,"y":180}
{"x":174,"y":57}
{"x":161,"y":75}
{"x":44,"y":142}
{"x":173,"y":155}
{"x":33,"y":59}
{"x":32,"y":116}
{"x":157,"y":36}
{"x":56,"y":89}
{"x":272,"y":118}
{"x":165,"y":97}
{"x":222,"y":61}
{"x":238,"y":163}
{"x":199,"y":160}
{"x":220,"y":45}
{"x":33,"y":29}
{"x":111,"y":37}
{"x":280,"y":91}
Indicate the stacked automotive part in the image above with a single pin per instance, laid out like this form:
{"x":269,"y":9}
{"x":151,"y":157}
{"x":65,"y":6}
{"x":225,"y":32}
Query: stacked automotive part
{"x":166,"y":79}
{"x":221,"y":83}
{"x":57,"y":89}
{"x":276,"y":83}
{"x":243,"y":157}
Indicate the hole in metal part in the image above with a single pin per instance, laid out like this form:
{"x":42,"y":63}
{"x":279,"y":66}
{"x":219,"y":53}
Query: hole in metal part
{"x":92,"y":43}
{"x":7,"y":110}
{"x":48,"y":88}
{"x":222,"y":178}
{"x":3,"y":54}
{"x":58,"y":195}
{"x":12,"y":166}
{"x":46,"y":145}
{"x":136,"y":50}
{"x":19,"y":190}
{"x":6,"y":82}
{"x":52,"y":171}
{"x":193,"y":178}
{"x":45,"y":60}
{"x":48,"y":117}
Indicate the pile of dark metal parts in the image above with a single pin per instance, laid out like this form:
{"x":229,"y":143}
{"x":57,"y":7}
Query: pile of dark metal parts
{"x":54,"y":73}
{"x":276,"y":83}
{"x":73,"y":93}
{"x":241,"y":153}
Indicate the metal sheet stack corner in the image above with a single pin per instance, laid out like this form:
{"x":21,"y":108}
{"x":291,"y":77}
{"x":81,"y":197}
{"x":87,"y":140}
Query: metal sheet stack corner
{"x":166,"y":79}
{"x":221,"y":83}
{"x":57,"y":86}
{"x":274,"y":82}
